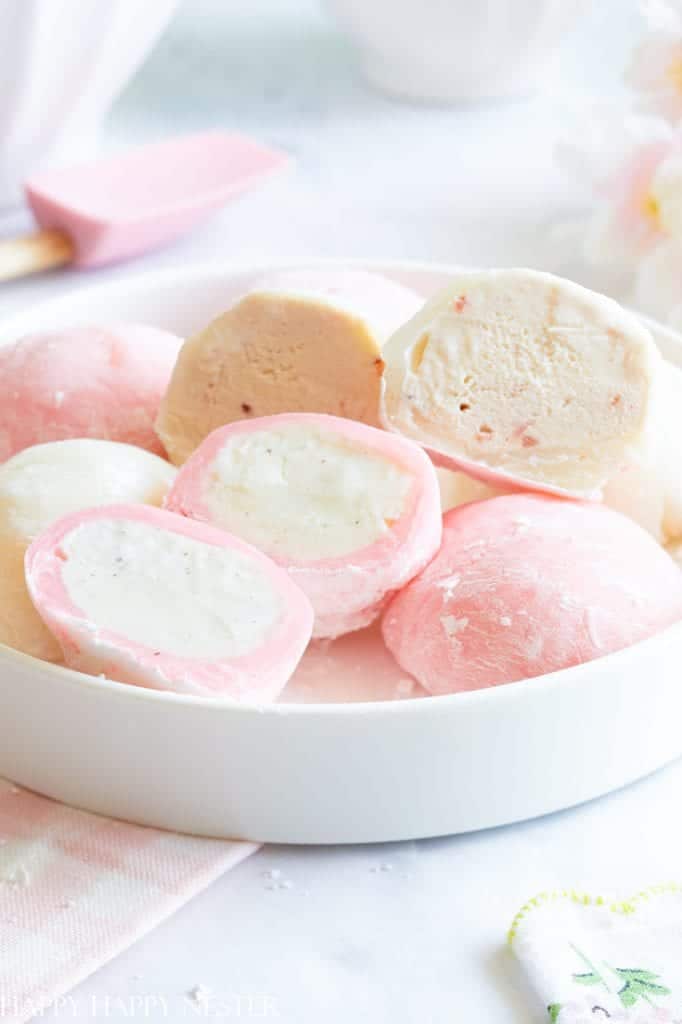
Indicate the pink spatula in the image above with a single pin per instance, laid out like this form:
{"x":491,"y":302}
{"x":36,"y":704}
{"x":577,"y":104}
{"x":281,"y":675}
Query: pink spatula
{"x":120,"y":206}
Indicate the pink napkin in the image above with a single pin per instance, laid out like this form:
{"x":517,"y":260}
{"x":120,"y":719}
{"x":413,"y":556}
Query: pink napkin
{"x":76,"y":889}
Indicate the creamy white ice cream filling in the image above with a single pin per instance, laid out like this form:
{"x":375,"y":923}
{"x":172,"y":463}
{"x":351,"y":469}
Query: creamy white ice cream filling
{"x":524,"y":373}
{"x":304,"y":494}
{"x":166,"y":591}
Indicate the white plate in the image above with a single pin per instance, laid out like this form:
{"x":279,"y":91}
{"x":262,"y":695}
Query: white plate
{"x":374,"y":769}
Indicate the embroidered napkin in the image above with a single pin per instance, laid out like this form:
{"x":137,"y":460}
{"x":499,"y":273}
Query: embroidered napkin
{"x":76,"y":889}
{"x":592,"y":959}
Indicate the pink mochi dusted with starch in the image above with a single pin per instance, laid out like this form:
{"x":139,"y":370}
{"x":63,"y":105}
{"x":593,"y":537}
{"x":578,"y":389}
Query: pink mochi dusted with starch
{"x":525,"y":585}
{"x":350,"y":511}
{"x":91,"y":381}
{"x":146,"y":597}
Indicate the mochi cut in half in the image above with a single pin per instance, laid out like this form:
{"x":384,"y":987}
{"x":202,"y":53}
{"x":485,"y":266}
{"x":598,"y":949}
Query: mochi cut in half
{"x":150,"y":598}
{"x":350,"y":511}
{"x":43,"y":483}
{"x":523,"y":378}
{"x":297,"y":341}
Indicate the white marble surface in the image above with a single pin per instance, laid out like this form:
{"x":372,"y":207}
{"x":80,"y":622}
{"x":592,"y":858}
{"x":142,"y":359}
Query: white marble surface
{"x":423,"y":939}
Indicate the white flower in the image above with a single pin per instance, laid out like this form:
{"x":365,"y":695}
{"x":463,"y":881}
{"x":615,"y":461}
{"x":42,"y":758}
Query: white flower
{"x":655,"y":69}
{"x":658,"y":283}
{"x":665,"y":195}
{"x":631,"y":164}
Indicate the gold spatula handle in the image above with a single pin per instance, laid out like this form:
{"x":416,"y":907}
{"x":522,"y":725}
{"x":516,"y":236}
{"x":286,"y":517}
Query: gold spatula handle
{"x":32,"y":254}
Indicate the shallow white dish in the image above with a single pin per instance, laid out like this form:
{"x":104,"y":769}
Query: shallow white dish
{"x":379,"y":768}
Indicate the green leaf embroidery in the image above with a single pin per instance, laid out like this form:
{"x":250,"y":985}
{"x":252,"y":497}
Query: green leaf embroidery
{"x":638,"y":973}
{"x":627,"y":996}
{"x":554,"y":1009}
{"x":641,"y":979}
{"x":639,"y":984}
{"x":642,"y":987}
{"x":590,"y":978}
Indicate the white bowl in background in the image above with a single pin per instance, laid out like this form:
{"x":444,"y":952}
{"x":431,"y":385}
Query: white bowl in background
{"x":450,"y":50}
{"x":373,"y":768}
{"x":61,"y":67}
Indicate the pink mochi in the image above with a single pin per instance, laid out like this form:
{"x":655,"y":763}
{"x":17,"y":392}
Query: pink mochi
{"x":525,"y":585}
{"x":97,"y":382}
{"x":146,"y":597}
{"x":350,"y":511}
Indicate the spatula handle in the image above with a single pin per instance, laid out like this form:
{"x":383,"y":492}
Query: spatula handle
{"x":31,"y":254}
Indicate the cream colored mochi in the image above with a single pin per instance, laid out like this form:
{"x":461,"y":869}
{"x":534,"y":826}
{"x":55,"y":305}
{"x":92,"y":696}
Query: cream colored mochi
{"x":664,"y":461}
{"x":42,"y":484}
{"x":648,"y":488}
{"x":524,"y":378}
{"x":301,"y":341}
{"x":459,"y":489}
{"x":635,"y":491}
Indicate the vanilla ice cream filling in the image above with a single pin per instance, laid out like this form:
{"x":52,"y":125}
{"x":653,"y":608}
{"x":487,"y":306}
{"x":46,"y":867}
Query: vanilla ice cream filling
{"x":167,"y":591}
{"x":304,"y":494}
{"x":523,"y":377}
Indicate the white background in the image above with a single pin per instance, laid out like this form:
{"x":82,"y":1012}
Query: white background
{"x":421,"y":940}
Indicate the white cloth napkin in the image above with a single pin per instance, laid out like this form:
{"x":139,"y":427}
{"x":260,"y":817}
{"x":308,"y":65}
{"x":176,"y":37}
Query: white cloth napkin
{"x":594,"y":959}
